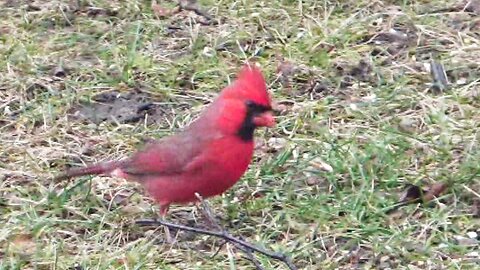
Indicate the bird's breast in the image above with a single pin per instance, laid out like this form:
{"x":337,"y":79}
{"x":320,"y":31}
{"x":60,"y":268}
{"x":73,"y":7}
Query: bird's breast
{"x":232,"y":157}
{"x":222,"y":164}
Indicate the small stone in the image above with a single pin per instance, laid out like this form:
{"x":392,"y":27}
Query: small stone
{"x":461,"y":81}
{"x":208,"y":52}
{"x":472,"y":235}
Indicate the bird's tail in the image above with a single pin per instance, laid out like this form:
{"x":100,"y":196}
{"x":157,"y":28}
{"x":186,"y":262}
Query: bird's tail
{"x":99,"y":168}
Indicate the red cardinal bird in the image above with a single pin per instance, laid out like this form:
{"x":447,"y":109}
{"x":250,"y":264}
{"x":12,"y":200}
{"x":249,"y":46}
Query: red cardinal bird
{"x":207,"y":157}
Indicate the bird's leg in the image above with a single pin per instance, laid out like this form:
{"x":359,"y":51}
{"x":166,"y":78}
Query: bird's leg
{"x":163,"y":213}
{"x":207,"y":213}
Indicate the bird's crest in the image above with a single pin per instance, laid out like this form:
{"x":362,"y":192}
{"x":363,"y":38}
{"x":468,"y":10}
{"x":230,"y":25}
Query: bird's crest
{"x":249,"y":85}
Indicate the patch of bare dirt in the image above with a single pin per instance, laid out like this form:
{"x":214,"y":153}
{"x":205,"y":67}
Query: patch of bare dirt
{"x":115,"y":107}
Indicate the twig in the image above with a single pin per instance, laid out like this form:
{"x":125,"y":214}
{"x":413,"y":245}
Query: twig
{"x":250,"y":256}
{"x":247,"y":251}
{"x":222,"y":233}
{"x":219,"y":248}
{"x":471,"y":191}
{"x":208,"y":215}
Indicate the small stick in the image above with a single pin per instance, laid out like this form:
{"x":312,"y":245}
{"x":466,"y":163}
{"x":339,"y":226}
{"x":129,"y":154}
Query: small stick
{"x":251,"y":257}
{"x":224,"y":235}
{"x":240,"y":243}
{"x":208,"y":214}
{"x":249,"y":254}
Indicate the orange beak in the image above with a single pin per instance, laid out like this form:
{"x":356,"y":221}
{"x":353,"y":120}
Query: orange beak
{"x":265,"y":119}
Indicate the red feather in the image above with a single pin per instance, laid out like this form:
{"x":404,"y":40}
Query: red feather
{"x":208,"y":157}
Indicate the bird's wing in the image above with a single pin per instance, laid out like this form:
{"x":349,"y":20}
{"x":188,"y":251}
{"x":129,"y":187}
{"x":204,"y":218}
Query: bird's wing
{"x":171,"y":155}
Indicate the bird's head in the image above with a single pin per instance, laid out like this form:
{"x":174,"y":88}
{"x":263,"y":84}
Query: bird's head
{"x":247,"y":103}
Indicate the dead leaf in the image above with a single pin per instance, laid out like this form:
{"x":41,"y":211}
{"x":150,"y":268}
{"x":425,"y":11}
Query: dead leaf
{"x":415,"y":194}
{"x":318,"y":163}
{"x":434,"y":191}
{"x":412,"y":194}
{"x":33,"y":7}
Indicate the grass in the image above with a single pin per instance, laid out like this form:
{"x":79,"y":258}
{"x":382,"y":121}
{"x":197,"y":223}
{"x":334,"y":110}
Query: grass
{"x":358,"y":122}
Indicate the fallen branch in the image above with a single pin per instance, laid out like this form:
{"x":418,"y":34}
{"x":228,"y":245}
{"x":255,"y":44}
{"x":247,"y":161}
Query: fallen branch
{"x":224,"y":235}
{"x":208,"y":215}
{"x":243,"y":245}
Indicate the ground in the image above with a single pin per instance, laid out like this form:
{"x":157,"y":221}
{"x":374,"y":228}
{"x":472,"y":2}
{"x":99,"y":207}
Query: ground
{"x":376,"y":100}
